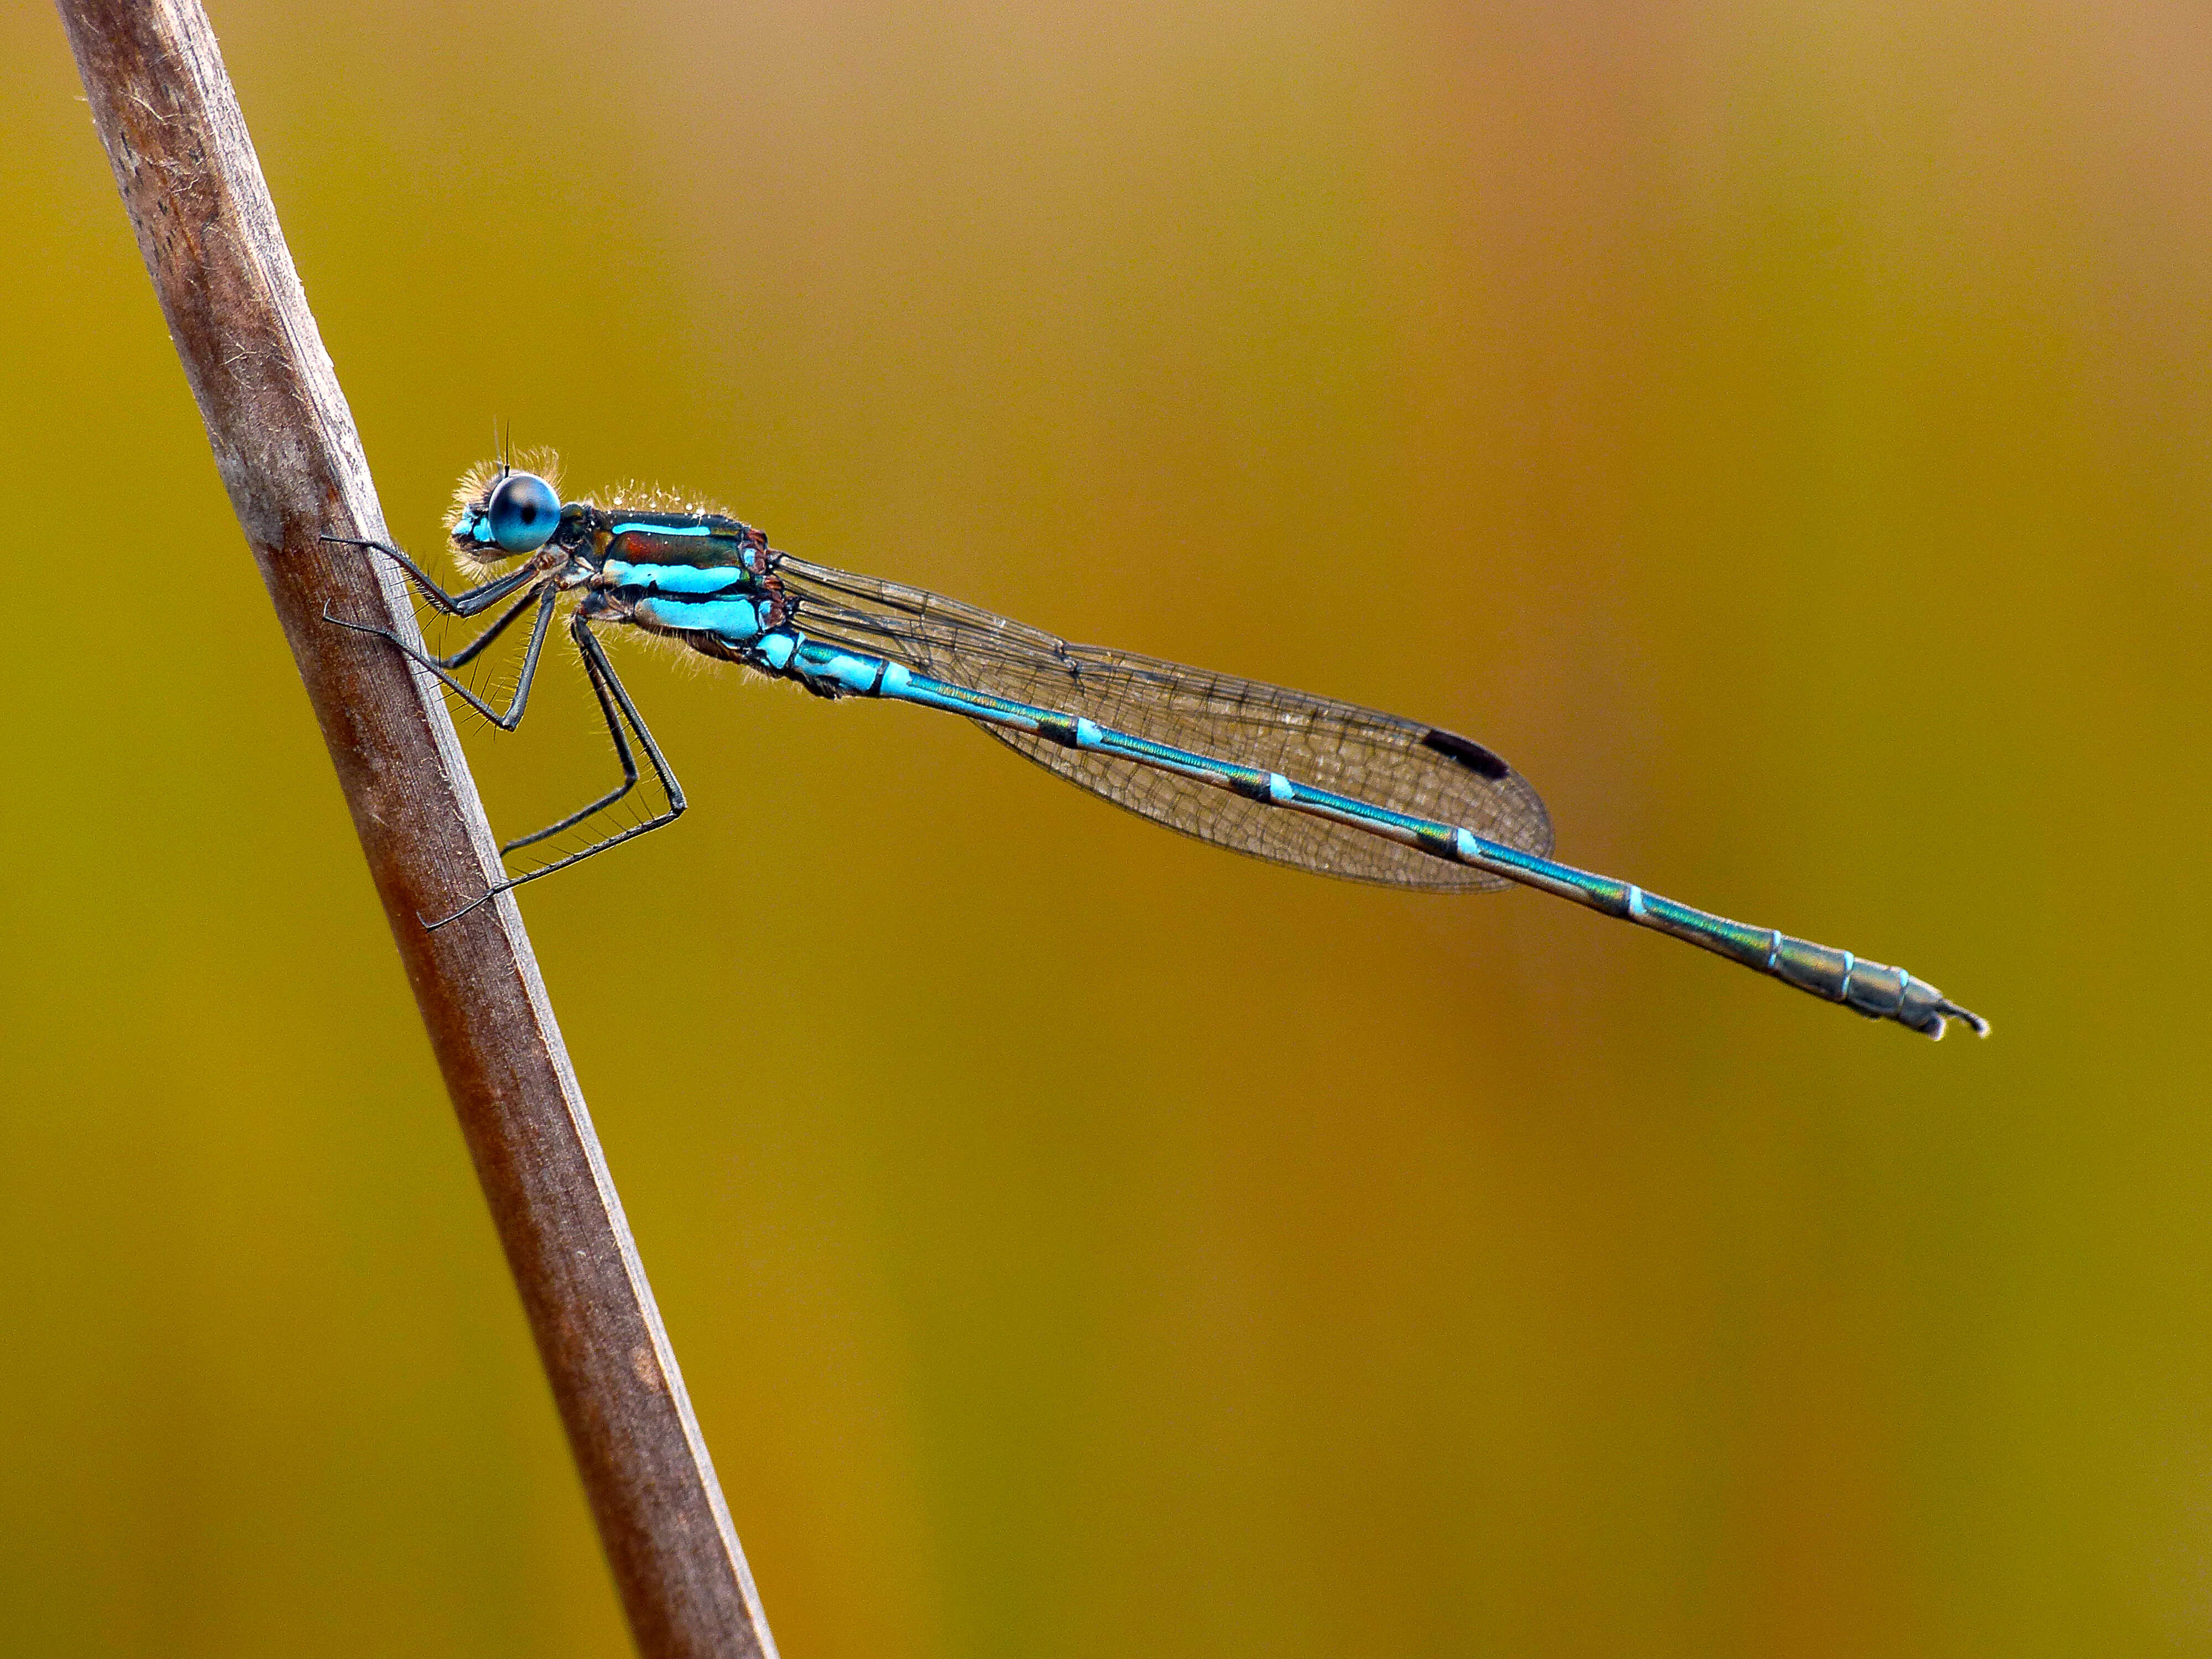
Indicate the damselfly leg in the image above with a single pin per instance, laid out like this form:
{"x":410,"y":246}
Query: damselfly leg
{"x":615,"y":707}
{"x":616,"y":704}
{"x":508,"y":718}
{"x":469,"y":652}
{"x":470,"y":602}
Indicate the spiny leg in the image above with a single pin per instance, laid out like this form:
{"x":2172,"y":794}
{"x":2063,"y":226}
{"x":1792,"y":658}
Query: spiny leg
{"x":507,"y":719}
{"x":612,"y":715}
{"x":615,"y":703}
{"x":469,"y":601}
{"x":468,"y":653}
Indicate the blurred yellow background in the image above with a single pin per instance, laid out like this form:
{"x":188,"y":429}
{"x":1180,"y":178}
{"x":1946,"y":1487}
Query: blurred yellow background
{"x":1783,"y":431}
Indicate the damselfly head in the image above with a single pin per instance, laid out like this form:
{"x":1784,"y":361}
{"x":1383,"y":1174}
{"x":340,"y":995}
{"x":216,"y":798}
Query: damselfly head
{"x":499,"y":512}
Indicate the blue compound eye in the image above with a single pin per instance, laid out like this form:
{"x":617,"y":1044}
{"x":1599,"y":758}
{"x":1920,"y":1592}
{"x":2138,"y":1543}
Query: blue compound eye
{"x":523,"y":512}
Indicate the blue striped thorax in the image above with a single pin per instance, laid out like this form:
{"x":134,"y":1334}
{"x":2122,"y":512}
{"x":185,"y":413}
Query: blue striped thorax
{"x":693,"y":554}
{"x":703,"y":541}
{"x":688,"y":573}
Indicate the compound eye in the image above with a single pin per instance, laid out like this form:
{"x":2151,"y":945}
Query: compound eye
{"x":523,"y":512}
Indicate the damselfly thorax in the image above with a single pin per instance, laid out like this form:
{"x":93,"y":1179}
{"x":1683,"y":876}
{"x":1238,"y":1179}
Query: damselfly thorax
{"x":1303,"y":781}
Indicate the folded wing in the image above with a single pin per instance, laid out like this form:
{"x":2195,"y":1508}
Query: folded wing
{"x":1404,"y":765}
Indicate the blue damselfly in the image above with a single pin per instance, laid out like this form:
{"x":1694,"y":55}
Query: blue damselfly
{"x":1284,"y":776}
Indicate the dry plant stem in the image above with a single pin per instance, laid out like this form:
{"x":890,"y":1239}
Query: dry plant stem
{"x":285,"y":444}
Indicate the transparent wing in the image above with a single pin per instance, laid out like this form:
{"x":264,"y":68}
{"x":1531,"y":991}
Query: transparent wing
{"x":1379,"y":758}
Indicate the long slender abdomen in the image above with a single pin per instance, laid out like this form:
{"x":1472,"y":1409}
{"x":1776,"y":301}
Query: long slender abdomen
{"x":1873,"y":989}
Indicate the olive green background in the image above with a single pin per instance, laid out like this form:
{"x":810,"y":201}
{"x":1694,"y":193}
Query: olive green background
{"x":1782,"y":430}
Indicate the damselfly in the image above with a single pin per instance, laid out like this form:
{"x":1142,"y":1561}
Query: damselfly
{"x":1300,"y":780}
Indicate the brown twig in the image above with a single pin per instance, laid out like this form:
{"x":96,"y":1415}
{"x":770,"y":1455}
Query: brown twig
{"x":285,"y":444}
